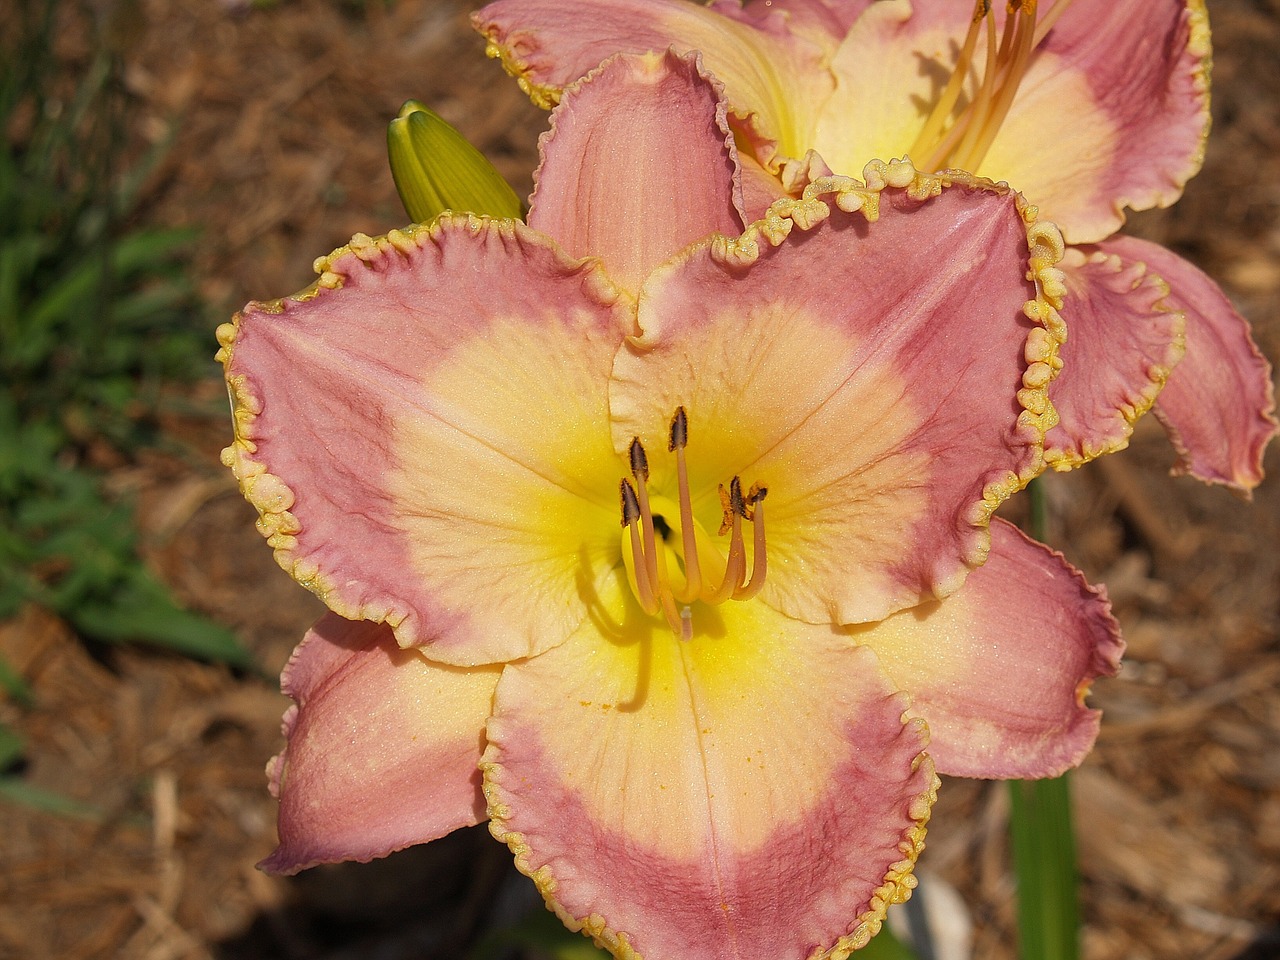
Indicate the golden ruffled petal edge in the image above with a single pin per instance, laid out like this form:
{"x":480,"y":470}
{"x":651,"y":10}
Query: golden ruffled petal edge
{"x":1157,"y":373}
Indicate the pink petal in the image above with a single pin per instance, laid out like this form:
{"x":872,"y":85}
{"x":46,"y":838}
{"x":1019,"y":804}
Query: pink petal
{"x":824,"y":21}
{"x":1124,"y":339}
{"x":1219,"y":404}
{"x":777,"y":78}
{"x":752,"y":792}
{"x":638,"y":164}
{"x":1000,"y":669}
{"x":425,"y":434}
{"x":382,"y":747}
{"x":841,"y":369}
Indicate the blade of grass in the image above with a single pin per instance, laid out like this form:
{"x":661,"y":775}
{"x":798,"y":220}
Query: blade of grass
{"x":16,"y":790}
{"x":11,"y":747}
{"x":14,"y":686}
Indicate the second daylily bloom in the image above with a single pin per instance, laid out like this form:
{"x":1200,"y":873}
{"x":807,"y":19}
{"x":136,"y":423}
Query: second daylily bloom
{"x":1086,"y":106}
{"x":632,"y":521}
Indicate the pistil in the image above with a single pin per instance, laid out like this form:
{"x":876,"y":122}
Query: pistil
{"x":653,"y":587}
{"x":692,"y":566}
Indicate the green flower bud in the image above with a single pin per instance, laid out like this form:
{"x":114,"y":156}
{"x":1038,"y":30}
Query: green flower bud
{"x":436,"y":169}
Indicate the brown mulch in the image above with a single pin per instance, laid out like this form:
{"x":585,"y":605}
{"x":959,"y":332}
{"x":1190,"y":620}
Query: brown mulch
{"x":278,"y":116}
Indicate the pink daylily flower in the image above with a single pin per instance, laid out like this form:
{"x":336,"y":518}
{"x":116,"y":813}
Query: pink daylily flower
{"x":527,"y":467}
{"x":1092,"y":106}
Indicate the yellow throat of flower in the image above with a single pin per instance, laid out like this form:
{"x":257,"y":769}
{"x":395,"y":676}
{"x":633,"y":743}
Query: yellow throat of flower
{"x":963,"y":143}
{"x":645,"y":548}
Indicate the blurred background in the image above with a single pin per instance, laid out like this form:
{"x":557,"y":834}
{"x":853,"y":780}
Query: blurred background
{"x":162,"y":162}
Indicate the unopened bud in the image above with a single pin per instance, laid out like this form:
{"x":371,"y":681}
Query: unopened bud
{"x":436,"y":169}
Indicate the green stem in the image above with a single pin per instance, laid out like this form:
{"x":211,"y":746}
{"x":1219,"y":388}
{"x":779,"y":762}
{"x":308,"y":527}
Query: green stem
{"x":1044,"y":856}
{"x":1045,"y":864}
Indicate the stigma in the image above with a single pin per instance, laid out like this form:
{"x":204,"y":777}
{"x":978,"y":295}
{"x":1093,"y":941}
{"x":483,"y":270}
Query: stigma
{"x":964,"y":142}
{"x":658,"y":587}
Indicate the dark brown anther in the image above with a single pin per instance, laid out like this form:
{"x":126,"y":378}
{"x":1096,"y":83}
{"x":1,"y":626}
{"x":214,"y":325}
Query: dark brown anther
{"x":736,"y":501}
{"x":679,"y":431}
{"x":639,"y":461}
{"x":630,"y":505}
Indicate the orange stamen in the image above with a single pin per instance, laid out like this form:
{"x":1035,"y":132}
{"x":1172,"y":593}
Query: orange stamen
{"x":630,"y":519}
{"x":760,"y":559}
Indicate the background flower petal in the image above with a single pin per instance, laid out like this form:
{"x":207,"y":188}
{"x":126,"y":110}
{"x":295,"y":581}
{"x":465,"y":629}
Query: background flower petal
{"x":1113,"y":113}
{"x":776,"y":77}
{"x":1000,"y":669}
{"x":870,"y":375}
{"x":752,"y":792}
{"x":882,"y":93}
{"x":1124,"y":339}
{"x":1219,"y":404}
{"x":382,"y":747}
{"x":425,"y":434}
{"x":638,"y":163}
{"x":824,"y":21}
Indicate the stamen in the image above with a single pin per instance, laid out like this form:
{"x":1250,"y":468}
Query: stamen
{"x":736,"y":567}
{"x":639,"y":459}
{"x":692,"y":566}
{"x":990,"y":77}
{"x":760,"y":559}
{"x":630,"y":515}
{"x":1050,"y":18}
{"x":1022,"y":38}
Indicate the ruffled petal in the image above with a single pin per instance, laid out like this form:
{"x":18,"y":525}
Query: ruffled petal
{"x":839,"y":371}
{"x":425,"y":434}
{"x":1000,"y":669}
{"x":753,"y":792}
{"x":1124,"y":341}
{"x":638,"y":163}
{"x":1219,"y":404}
{"x":777,"y":78}
{"x":382,"y":751}
{"x":1127,"y":86}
